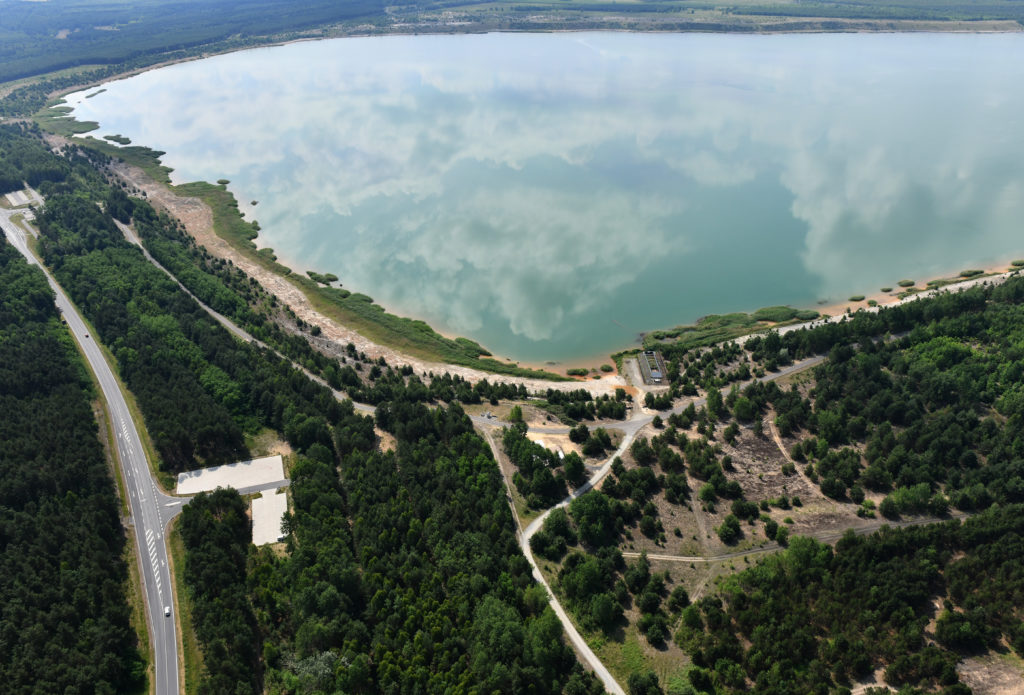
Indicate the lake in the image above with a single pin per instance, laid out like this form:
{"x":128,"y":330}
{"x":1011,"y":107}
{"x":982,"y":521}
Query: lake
{"x":553,"y":195}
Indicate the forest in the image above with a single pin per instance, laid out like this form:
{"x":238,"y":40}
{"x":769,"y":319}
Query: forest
{"x":401,"y":566}
{"x":170,"y":350}
{"x":216,"y":533}
{"x":921,"y":402}
{"x":64,"y":615}
{"x":43,"y":37}
{"x":403,"y":573}
{"x":812,"y":619}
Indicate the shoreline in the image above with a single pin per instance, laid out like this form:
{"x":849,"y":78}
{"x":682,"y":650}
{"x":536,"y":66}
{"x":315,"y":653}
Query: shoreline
{"x":919,"y":288}
{"x":591,"y":361}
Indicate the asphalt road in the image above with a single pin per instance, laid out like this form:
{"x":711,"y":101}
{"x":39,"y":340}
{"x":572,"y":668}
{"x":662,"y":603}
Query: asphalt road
{"x":151,"y":510}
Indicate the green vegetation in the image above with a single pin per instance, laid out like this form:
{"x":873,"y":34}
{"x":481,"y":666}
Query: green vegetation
{"x":572,"y":406}
{"x":1017,"y":264}
{"x":799,"y":621}
{"x":447,"y":567}
{"x":322,"y":278}
{"x":64,"y":616}
{"x":971,"y":273}
{"x":886,"y":289}
{"x":24,"y":160}
{"x":781,"y":314}
{"x":405,"y":569}
{"x":53,"y":36}
{"x":216,"y":533}
{"x":577,"y":371}
{"x":119,"y":139}
{"x":937,"y":413}
{"x":538,"y":477}
{"x":717,"y":328}
{"x":857,"y":298}
{"x":56,"y":120}
{"x":905,"y":283}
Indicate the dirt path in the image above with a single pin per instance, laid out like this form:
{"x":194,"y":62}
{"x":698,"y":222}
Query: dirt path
{"x":198,"y":220}
{"x":782,"y":449}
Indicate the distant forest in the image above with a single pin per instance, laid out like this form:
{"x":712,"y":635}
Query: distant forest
{"x":37,"y":37}
{"x":40,"y":37}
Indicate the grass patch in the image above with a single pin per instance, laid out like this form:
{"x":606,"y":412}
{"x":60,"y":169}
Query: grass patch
{"x":778,"y":314}
{"x":1017,"y":264}
{"x":56,"y":120}
{"x":193,"y":658}
{"x":577,"y":371}
{"x":905,"y":283}
{"x":971,"y":273}
{"x":119,"y":139}
{"x":857,"y":298}
{"x":322,"y":278}
{"x":266,"y":442}
{"x":137,"y":606}
{"x":719,"y":327}
{"x":146,"y":159}
{"x":886,"y":289}
{"x":133,"y":588}
{"x":621,"y":658}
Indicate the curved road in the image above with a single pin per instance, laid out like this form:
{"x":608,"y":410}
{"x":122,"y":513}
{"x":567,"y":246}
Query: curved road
{"x":151,"y":510}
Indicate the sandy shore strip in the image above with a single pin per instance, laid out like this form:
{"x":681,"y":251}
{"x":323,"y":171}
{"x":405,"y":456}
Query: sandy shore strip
{"x":892,"y":298}
{"x":964,"y":284}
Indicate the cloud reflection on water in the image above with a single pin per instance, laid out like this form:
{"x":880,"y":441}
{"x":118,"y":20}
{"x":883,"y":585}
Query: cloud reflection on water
{"x":514,"y":187}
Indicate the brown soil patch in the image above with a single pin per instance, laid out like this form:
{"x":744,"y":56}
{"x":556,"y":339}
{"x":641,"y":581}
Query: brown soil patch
{"x":993,"y":674}
{"x":385,"y":441}
{"x":555,"y":442}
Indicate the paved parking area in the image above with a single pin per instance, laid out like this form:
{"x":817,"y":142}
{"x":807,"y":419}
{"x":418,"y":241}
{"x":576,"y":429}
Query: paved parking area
{"x":267,"y":511}
{"x":244,"y":474}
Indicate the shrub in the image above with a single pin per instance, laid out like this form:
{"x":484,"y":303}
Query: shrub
{"x":857,"y":298}
{"x":887,"y":289}
{"x":729,"y":532}
{"x":905,"y":283}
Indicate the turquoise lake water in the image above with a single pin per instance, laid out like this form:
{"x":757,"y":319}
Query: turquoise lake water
{"x":554,"y":195}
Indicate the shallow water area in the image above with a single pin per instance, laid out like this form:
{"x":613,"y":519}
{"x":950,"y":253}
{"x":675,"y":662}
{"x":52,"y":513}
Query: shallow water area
{"x":553,"y":195}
